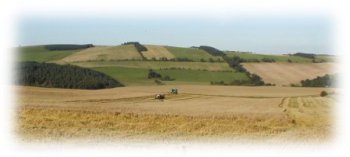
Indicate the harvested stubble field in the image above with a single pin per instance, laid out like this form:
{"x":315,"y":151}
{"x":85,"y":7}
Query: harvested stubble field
{"x":103,"y":53}
{"x":284,"y":74}
{"x":198,"y":112}
{"x":157,"y":52}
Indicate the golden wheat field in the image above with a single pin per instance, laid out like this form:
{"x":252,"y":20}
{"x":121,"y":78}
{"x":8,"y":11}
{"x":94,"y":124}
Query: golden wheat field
{"x":103,"y":53}
{"x":284,"y":74}
{"x":197,"y":112}
{"x":157,"y":52}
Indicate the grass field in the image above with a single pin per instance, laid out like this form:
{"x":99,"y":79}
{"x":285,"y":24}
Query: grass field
{"x":284,"y":74}
{"x":138,"y":76}
{"x":104,"y":53}
{"x":205,"y":77}
{"x":127,"y":76}
{"x":192,"y":53}
{"x":159,"y":65}
{"x":277,"y":58}
{"x":197,"y":112}
{"x":41,"y":54}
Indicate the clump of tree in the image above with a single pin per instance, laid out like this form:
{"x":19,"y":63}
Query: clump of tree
{"x":305,"y":55}
{"x":154,"y":75}
{"x":184,"y":59}
{"x":235,"y":63}
{"x":323,"y":81}
{"x":211,"y":50}
{"x":163,"y":59}
{"x":235,"y":82}
{"x":137,"y":45}
{"x":167,"y":78}
{"x":270,"y":60}
{"x":62,"y":76}
{"x":67,"y":47}
{"x":256,"y":81}
{"x":323,"y":93}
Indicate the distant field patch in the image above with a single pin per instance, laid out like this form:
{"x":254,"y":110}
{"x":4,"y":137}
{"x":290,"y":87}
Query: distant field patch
{"x":204,"y":77}
{"x":41,"y":54}
{"x":127,"y":76}
{"x":159,"y":65}
{"x":277,"y":58}
{"x":194,"y":54}
{"x":138,"y":76}
{"x":287,"y":73}
{"x":157,"y":52}
{"x":104,"y":53}
{"x":327,"y":58}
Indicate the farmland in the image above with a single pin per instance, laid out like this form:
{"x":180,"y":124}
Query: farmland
{"x":200,"y":111}
{"x":194,"y":54}
{"x":104,"y":53}
{"x":279,"y":58}
{"x":159,"y":65}
{"x":138,"y":76}
{"x":288,"y":73}
{"x":40,"y":54}
{"x":197,"y":112}
{"x":156,"y":52}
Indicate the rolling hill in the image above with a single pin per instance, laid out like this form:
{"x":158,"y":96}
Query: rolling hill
{"x":284,"y":74}
{"x":201,"y":109}
{"x":186,"y":65}
{"x":279,"y":58}
{"x":104,"y":53}
{"x":217,"y":66}
{"x":41,"y":54}
{"x":155,"y":52}
{"x":193,"y":54}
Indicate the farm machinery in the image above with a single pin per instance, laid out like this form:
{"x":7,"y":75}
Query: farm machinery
{"x":162,"y":96}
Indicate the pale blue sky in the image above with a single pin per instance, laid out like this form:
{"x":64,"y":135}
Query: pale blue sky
{"x":262,"y":34}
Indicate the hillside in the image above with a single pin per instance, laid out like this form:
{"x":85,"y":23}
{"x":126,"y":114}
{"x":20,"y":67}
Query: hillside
{"x":254,"y":57}
{"x":205,"y":66}
{"x":195,"y":65}
{"x":193,"y":54}
{"x":104,"y":53}
{"x":41,"y":54}
{"x":138,"y":76}
{"x":155,"y":52}
{"x":284,"y":74}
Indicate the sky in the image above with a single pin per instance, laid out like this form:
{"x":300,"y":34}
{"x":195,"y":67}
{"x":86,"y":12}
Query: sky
{"x":271,"y":34}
